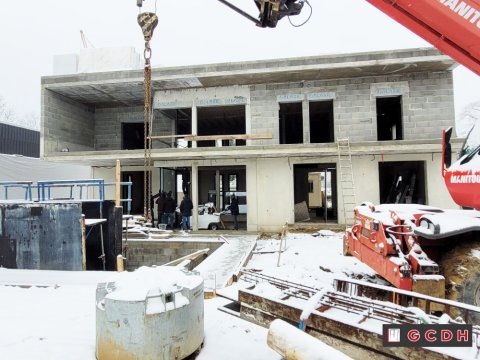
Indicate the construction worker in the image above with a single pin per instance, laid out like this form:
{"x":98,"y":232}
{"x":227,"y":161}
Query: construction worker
{"x":169,"y":209}
{"x":234,"y":211}
{"x":161,"y":207}
{"x":186,"y":207}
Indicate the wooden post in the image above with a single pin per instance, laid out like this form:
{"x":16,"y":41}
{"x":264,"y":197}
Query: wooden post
{"x":103,"y":247}
{"x":280,"y":251}
{"x":283,"y":236}
{"x":120,"y":265}
{"x":117,"y":185}
{"x":84,"y":243}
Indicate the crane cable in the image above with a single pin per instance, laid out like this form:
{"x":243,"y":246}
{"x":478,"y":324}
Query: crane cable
{"x":147,"y":21}
{"x":308,"y":18}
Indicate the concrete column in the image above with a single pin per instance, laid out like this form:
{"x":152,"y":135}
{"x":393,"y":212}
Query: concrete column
{"x":194,"y":186}
{"x":194,"y":124}
{"x":306,"y":121}
{"x":252,"y":204}
{"x":217,"y":190}
{"x":248,"y":121}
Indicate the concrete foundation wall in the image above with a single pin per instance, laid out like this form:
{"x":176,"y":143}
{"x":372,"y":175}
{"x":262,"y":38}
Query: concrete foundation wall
{"x":65,"y":124}
{"x":151,"y":252}
{"x":40,"y":236}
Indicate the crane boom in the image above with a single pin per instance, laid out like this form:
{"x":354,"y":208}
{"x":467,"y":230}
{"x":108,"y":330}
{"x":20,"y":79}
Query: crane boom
{"x":452,"y":26}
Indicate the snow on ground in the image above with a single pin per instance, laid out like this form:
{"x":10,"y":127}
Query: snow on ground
{"x":310,"y":260}
{"x":58,"y":322}
{"x":47,"y":323}
{"x":228,"y":337}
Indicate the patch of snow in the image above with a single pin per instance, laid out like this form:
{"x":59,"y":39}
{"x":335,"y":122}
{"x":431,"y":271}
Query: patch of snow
{"x":423,"y":317}
{"x":305,"y":257}
{"x":398,"y":261}
{"x":137,"y":285}
{"x":444,"y":319}
{"x":268,"y":290}
{"x":476,"y":253}
{"x":314,"y":302}
{"x":326,"y":233}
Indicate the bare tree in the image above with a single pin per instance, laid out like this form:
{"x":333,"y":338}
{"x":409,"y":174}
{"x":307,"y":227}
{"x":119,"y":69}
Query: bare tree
{"x":6,"y":112}
{"x":469,"y":115}
{"x":30,"y":120}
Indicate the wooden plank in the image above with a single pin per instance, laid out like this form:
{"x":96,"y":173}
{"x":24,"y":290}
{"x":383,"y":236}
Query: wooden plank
{"x":160,"y":137}
{"x":192,"y":137}
{"x":228,"y":137}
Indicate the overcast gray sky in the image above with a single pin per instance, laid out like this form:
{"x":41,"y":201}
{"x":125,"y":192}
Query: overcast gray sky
{"x":189,"y":32}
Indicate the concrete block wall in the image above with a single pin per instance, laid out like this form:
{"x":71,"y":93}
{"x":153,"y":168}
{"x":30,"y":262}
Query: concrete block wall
{"x":427,"y":104}
{"x":108,"y":125}
{"x":163,"y":125}
{"x":151,"y":252}
{"x":65,"y":124}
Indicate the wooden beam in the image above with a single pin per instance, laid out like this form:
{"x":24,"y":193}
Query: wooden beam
{"x":160,"y":137}
{"x":192,"y":137}
{"x":228,"y":137}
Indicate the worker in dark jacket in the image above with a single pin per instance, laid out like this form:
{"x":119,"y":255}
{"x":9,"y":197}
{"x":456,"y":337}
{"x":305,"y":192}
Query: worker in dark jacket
{"x":234,"y":211}
{"x":186,"y":207}
{"x":161,"y":207}
{"x":170,"y":206}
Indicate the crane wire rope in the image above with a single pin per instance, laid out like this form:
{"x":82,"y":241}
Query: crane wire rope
{"x":308,"y":18}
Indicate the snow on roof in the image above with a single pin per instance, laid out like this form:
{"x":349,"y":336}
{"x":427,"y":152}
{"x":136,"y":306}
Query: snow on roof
{"x":136,"y":285}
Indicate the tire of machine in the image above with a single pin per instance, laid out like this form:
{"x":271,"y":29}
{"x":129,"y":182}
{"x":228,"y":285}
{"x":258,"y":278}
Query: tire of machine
{"x":461,"y":269}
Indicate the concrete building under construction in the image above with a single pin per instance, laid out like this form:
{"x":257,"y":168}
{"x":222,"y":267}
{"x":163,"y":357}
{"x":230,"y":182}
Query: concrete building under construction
{"x":278,"y":133}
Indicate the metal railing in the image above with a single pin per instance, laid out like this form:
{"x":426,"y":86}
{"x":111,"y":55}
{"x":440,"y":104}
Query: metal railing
{"x":25,"y":185}
{"x":49,"y":190}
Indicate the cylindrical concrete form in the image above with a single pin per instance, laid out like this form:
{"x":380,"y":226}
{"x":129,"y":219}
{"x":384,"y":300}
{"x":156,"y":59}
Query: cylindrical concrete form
{"x":151,"y":313}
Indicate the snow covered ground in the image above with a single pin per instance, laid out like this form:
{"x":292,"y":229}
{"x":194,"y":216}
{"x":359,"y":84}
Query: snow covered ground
{"x":310,"y":260}
{"x":58,"y":322}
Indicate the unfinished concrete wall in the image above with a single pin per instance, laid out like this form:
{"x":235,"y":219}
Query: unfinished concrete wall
{"x":270,"y":194}
{"x":41,"y":236}
{"x":427,"y":104}
{"x":159,"y":252}
{"x":367,"y":181}
{"x":108,"y":125}
{"x":65,"y":124}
